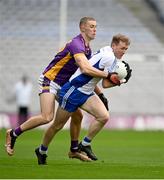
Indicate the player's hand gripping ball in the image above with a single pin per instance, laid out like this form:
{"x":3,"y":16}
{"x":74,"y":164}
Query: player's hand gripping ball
{"x":114,"y":79}
{"x":121,"y":74}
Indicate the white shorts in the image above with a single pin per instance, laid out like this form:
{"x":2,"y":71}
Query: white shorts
{"x":46,"y":85}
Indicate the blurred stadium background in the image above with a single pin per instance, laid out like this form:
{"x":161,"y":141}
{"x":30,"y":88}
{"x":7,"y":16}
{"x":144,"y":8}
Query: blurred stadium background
{"x":31,"y":32}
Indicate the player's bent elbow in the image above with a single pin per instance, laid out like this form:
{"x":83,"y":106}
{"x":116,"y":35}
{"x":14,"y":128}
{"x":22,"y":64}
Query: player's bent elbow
{"x":107,"y":84}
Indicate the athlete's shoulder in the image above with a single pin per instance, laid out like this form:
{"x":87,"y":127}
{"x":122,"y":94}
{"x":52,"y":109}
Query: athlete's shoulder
{"x":77,"y":41}
{"x":106,"y":49}
{"x":107,"y":52}
{"x":77,"y":45}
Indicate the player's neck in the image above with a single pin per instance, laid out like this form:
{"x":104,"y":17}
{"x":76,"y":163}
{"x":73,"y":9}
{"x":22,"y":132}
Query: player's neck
{"x":86,"y":39}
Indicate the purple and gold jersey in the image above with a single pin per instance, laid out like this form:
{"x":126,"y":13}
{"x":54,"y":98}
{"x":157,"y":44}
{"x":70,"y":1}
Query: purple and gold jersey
{"x":63,"y":65}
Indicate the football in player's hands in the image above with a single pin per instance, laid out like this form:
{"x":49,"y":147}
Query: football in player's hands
{"x":121,"y":69}
{"x":124,"y":71}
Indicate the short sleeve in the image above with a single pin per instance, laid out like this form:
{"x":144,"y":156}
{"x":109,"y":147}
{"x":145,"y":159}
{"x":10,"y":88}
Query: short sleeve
{"x":76,"y":47}
{"x":106,"y":62}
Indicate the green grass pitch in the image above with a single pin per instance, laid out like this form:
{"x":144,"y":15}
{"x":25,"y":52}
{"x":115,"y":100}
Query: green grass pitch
{"x":122,"y":155}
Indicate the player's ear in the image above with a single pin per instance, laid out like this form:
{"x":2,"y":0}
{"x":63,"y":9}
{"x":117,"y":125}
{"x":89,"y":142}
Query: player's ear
{"x":82,"y":28}
{"x":113,"y":45}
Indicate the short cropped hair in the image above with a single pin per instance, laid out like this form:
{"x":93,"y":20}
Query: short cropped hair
{"x":83,"y":20}
{"x":120,"y":37}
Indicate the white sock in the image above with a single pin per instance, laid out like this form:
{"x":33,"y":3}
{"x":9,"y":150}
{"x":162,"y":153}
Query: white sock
{"x":84,"y":143}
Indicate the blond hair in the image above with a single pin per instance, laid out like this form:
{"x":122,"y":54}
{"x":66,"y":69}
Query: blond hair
{"x":120,"y":37}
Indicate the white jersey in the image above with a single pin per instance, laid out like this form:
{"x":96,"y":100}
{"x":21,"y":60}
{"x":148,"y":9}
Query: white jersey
{"x":104,"y":60}
{"x":23,"y":93}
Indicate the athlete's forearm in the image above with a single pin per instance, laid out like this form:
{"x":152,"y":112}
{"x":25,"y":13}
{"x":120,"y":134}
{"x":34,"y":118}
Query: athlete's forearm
{"x":86,"y":67}
{"x":91,"y":71}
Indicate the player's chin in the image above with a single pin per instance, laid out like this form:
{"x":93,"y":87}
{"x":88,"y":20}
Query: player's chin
{"x":119,"y":56}
{"x":93,"y":37}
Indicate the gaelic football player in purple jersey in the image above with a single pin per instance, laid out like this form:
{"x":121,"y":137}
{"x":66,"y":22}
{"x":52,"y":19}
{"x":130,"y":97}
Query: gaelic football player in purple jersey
{"x":75,"y":54}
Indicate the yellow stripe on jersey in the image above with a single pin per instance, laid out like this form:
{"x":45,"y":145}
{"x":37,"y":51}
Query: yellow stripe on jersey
{"x":52,"y":73}
{"x":79,"y":54}
{"x":46,"y":87}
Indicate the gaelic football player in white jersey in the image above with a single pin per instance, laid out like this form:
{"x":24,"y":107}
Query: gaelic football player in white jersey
{"x":79,"y":92}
